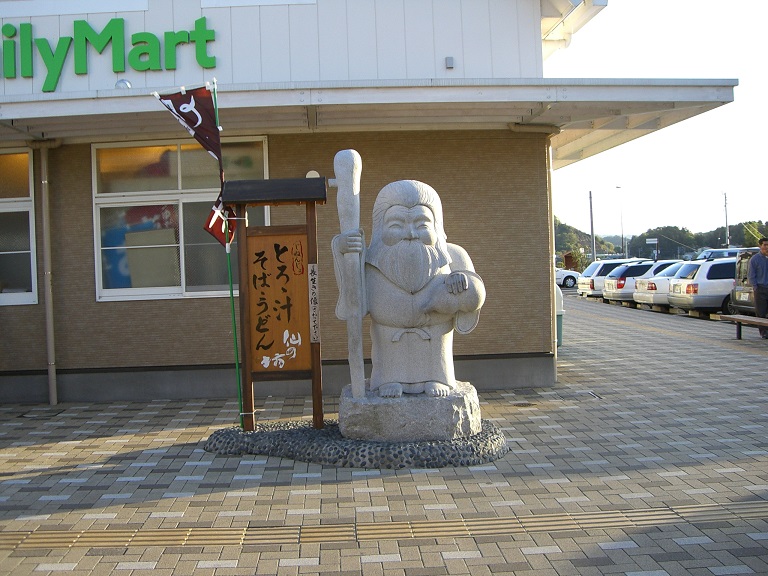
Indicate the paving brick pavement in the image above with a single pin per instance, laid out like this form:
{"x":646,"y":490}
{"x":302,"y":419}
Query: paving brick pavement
{"x":648,"y":458}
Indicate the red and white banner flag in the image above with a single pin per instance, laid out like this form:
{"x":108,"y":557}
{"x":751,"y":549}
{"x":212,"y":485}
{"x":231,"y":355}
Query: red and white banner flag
{"x":221,"y":222}
{"x":195,"y":109}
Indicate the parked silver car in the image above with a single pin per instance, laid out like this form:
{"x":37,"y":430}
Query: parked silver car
{"x":592,"y":280}
{"x":654,"y":291}
{"x":620,"y":282}
{"x":703,"y":285}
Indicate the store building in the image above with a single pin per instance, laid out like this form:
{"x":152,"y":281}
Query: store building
{"x":109,"y":287}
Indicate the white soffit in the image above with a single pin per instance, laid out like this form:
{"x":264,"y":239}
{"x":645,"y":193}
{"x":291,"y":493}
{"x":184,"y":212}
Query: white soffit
{"x":586,"y":117}
{"x":560,"y":19}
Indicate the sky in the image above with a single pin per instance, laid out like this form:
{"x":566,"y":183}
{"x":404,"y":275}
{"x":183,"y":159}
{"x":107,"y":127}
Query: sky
{"x":684,"y":174}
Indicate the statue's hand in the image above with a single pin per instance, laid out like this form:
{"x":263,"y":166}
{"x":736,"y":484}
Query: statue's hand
{"x":457,"y":282}
{"x":351,"y":241}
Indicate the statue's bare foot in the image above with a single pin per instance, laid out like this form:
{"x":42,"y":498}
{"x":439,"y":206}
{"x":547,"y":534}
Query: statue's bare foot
{"x":391,"y":390}
{"x":436,"y":389}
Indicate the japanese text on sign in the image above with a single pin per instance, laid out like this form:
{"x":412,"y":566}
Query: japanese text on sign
{"x":279,"y":302}
{"x":314,"y":304}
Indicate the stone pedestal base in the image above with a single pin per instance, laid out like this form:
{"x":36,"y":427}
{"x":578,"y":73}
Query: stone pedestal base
{"x":412,"y":417}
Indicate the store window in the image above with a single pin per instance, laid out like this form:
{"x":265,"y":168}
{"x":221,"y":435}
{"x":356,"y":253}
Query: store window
{"x":18,"y":262}
{"x":151,"y":202}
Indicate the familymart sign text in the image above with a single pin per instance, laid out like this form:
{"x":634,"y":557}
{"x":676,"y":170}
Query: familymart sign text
{"x":147,"y":51}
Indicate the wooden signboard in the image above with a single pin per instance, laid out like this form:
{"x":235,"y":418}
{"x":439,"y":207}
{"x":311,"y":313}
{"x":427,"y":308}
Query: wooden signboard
{"x":279,"y":305}
{"x":279,"y":301}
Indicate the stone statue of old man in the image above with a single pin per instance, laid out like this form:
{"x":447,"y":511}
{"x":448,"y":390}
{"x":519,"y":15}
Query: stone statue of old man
{"x":418,"y":289}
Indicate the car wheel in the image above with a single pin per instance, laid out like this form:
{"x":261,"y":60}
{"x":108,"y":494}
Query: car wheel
{"x":569,"y":282}
{"x":729,"y":307}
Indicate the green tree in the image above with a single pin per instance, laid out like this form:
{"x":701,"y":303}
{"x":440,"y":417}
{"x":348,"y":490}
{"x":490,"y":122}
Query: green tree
{"x":752,"y":231}
{"x":673,"y":243}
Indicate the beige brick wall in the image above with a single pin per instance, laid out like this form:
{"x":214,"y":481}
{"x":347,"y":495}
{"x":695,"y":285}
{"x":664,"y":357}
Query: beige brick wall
{"x":22,"y":328}
{"x":494,"y":189}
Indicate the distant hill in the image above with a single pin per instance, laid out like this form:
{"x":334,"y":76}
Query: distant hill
{"x":615,"y":239}
{"x":568,"y":238}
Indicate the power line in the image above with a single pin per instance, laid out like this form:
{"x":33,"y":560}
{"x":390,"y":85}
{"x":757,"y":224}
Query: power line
{"x":676,"y":242}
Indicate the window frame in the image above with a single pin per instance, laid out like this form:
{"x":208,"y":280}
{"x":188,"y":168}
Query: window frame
{"x":636,"y":270}
{"x":691,"y":268}
{"x":178,"y":197}
{"x":27,"y":205}
{"x":607,"y":268}
{"x":717,"y":270}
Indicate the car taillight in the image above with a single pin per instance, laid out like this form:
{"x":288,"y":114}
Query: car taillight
{"x":652,"y":286}
{"x":692,"y":289}
{"x":620,"y":282}
{"x":591,"y":284}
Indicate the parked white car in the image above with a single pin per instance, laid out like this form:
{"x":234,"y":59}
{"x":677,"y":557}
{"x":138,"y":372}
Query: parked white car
{"x":620,"y":283}
{"x":654,"y":291}
{"x":703,"y":285}
{"x":592,"y":280}
{"x":566,"y":278}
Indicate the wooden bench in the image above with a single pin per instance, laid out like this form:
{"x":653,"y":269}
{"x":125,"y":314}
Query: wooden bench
{"x":740,"y":319}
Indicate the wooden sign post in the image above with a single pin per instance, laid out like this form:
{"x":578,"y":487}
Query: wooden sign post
{"x":279,"y":304}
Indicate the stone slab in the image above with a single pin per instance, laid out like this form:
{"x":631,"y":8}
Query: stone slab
{"x":411,"y":417}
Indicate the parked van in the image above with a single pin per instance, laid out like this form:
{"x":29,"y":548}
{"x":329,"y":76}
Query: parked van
{"x":742,"y":297}
{"x":711,"y":253}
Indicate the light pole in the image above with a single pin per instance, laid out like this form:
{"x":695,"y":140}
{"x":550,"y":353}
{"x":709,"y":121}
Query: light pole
{"x":592,"y":228}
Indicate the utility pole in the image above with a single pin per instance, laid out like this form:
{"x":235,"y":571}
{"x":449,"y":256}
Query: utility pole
{"x":727,"y":230}
{"x":592,"y":228}
{"x":621,"y":217}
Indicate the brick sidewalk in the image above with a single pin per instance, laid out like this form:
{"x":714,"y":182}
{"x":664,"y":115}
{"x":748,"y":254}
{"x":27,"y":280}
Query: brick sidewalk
{"x":648,"y":458}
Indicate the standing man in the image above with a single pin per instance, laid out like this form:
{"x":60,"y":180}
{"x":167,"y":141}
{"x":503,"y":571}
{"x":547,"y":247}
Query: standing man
{"x":758,"y":279}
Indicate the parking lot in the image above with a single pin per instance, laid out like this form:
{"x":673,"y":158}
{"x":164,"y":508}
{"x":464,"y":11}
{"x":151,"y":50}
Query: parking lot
{"x":649,"y":457}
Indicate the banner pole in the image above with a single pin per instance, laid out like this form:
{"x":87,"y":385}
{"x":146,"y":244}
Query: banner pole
{"x":229,"y":267}
{"x":234,"y":322}
{"x":216,"y":103}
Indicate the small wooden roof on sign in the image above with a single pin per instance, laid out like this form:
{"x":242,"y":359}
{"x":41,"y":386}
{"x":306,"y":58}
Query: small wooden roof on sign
{"x":275,"y":192}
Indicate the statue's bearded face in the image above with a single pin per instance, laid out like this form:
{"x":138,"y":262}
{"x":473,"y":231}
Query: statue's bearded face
{"x":402,"y":223}
{"x":410,"y":258}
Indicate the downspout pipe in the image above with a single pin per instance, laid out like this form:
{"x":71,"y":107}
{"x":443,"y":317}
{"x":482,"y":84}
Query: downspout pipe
{"x":552,"y":281}
{"x":43,"y":146}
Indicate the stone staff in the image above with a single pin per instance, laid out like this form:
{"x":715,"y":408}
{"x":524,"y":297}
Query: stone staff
{"x":350,"y":269}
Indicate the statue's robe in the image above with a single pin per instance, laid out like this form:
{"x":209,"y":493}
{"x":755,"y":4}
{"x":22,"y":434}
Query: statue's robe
{"x":412,"y":334}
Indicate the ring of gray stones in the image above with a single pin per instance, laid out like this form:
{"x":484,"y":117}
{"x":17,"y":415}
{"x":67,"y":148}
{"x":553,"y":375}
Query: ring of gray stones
{"x":299,"y":440}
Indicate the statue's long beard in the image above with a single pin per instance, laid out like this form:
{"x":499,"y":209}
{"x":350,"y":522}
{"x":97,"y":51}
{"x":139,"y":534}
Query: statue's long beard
{"x":410,"y":264}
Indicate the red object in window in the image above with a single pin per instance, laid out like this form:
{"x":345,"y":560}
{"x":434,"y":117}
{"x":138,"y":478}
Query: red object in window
{"x":163,"y":216}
